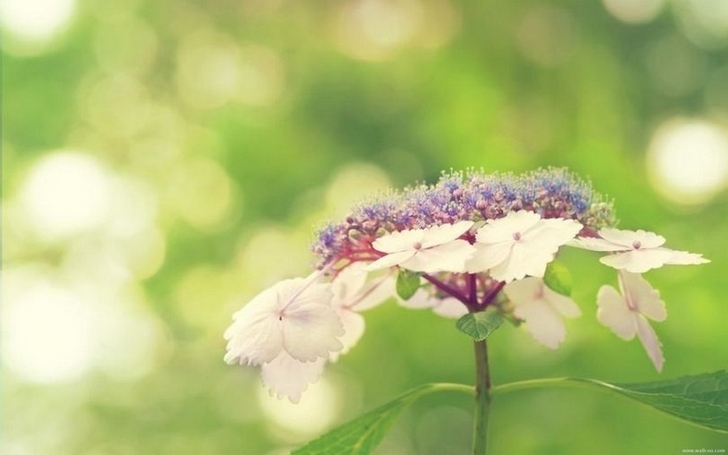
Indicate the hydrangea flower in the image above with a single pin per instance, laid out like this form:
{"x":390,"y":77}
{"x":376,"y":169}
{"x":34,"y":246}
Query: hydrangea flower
{"x":289,"y":329}
{"x":519,"y":244}
{"x":635,"y":251}
{"x":471,"y":242}
{"x":541,"y":309}
{"x":627,"y":313}
{"x":437,"y":249}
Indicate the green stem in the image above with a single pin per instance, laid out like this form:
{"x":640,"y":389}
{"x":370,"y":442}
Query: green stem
{"x":550,"y":382}
{"x":447,"y":387}
{"x":482,"y":398}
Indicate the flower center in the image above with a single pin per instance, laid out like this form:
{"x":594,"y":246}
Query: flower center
{"x":636,"y":244}
{"x":417,"y":246}
{"x":517,"y":236}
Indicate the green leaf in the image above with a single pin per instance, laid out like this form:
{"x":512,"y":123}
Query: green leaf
{"x":480,"y":325}
{"x":701,"y":399}
{"x":361,"y":435}
{"x":558,"y":278}
{"x":407,"y":283}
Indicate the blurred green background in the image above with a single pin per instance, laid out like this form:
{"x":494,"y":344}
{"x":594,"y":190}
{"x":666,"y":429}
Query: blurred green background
{"x":164,"y":161}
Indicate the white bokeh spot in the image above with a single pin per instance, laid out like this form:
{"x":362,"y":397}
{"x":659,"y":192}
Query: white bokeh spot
{"x":65,"y":194}
{"x":688,"y":160}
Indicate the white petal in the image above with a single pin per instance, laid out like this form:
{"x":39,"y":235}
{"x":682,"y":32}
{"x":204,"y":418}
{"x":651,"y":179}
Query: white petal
{"x":596,"y":244}
{"x":286,"y":376}
{"x":523,"y":291}
{"x":685,"y":258}
{"x":502,"y":229}
{"x":255,"y":342}
{"x":348,"y":283}
{"x":550,"y":234}
{"x":354,"y":288}
{"x":437,"y":235}
{"x":613,"y":313}
{"x":422,"y":299}
{"x":637,"y":261}
{"x":255,"y":336}
{"x":353,"y":331}
{"x":301,"y":292}
{"x":448,"y":257}
{"x":642,"y":296}
{"x":542,"y":322}
{"x":399,"y":241}
{"x":649,"y":340}
{"x":628,"y":238}
{"x":311,"y":331}
{"x":542,"y":319}
{"x":390,"y":260}
{"x":562,"y":304}
{"x":521,"y":262}
{"x":450,"y":308}
{"x":488,"y":256}
{"x":374,"y":293}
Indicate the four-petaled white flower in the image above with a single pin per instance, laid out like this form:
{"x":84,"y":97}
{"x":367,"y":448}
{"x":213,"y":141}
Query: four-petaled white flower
{"x":431,"y":250}
{"x":520,"y":244}
{"x":635,"y":251}
{"x":627,"y":313}
{"x":353,"y":293}
{"x":541,"y":309}
{"x":290,"y":329}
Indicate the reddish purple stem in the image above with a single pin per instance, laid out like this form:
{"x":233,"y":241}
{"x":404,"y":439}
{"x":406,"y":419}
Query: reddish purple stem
{"x":446,"y":288}
{"x":490,"y":295}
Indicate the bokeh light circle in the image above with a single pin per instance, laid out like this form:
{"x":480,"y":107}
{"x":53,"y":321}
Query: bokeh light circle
{"x":33,"y":25}
{"x":634,"y":11}
{"x":66,"y":193}
{"x":688,"y":160}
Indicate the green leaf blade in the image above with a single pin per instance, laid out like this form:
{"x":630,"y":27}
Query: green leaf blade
{"x":407,"y":284}
{"x":558,"y":278}
{"x":479,"y":326}
{"x":361,"y":435}
{"x":700,"y":400}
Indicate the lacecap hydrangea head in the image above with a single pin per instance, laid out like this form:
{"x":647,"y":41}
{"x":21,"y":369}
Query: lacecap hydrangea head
{"x":468,"y":244}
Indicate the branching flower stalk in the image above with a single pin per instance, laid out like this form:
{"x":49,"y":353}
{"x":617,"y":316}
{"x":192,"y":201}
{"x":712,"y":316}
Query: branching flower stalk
{"x":476,"y":247}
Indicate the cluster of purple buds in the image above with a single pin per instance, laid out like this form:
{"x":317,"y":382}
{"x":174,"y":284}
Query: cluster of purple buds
{"x":463,"y":196}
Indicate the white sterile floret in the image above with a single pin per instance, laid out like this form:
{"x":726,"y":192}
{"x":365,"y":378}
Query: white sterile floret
{"x":431,"y":250}
{"x":541,"y":309}
{"x":354,"y":292}
{"x":627,"y":313}
{"x":635,"y":251}
{"x":520,"y":244}
{"x":288,"y":377}
{"x":288,"y":327}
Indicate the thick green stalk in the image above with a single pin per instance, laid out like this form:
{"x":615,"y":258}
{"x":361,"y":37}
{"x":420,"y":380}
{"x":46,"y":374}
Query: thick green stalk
{"x":482,"y":398}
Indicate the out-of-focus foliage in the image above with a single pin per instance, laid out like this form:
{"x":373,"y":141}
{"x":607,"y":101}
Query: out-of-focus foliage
{"x":163,"y":161}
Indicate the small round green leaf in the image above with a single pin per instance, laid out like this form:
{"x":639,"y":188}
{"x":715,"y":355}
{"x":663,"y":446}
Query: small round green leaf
{"x":479,"y":326}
